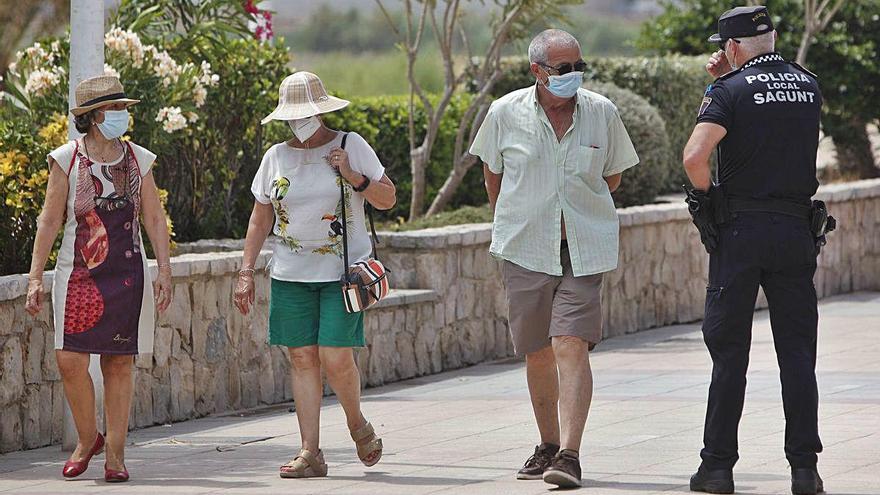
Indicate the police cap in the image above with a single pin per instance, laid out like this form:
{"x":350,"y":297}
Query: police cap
{"x":743,"y":22}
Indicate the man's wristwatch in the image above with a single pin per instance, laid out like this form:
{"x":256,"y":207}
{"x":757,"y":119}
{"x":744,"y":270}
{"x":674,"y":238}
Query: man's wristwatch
{"x":364,"y":185}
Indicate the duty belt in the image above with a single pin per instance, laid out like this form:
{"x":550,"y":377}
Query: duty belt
{"x":770,"y":206}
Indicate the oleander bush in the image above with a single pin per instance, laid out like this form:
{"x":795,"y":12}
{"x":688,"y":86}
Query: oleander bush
{"x":204,"y":90}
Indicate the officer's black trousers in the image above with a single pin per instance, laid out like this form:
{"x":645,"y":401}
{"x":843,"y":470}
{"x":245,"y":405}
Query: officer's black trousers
{"x":778,"y":253}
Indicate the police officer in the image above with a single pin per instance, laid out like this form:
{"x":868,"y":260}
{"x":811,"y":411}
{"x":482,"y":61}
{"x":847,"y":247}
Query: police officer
{"x":762,"y":114}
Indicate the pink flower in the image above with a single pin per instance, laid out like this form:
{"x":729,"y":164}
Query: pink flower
{"x":262,"y":21}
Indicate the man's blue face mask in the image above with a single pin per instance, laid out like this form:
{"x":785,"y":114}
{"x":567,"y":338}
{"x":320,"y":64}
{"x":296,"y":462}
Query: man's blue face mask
{"x":567,"y":80}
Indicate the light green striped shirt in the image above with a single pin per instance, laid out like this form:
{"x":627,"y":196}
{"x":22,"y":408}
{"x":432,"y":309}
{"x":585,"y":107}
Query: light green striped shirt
{"x":545,"y":179}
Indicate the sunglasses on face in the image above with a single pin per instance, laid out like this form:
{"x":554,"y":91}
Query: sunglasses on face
{"x":565,"y":68}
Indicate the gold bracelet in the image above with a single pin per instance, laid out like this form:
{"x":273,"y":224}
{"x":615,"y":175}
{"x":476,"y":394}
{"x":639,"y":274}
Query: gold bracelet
{"x":243,"y":271}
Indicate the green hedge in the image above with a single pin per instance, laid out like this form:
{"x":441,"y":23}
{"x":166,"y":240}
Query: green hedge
{"x":647,"y":129}
{"x":674,"y":85}
{"x":382,"y":121}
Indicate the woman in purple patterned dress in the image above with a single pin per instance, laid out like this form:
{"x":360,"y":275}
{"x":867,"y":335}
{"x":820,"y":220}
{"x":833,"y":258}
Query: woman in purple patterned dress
{"x":100,"y":188}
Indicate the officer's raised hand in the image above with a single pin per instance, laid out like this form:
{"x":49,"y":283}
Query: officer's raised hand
{"x":718,"y":64}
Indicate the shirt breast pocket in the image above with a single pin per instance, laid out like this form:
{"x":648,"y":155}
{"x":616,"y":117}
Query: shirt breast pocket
{"x":590,"y":163}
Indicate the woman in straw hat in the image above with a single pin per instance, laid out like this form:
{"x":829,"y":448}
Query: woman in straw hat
{"x":297,"y":190}
{"x":102,"y":302}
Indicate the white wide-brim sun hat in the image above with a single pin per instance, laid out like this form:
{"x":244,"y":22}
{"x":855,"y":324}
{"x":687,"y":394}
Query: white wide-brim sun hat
{"x":302,"y":95}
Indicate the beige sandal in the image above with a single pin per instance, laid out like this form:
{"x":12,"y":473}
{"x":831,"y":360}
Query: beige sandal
{"x":368,"y":444}
{"x":305,"y":465}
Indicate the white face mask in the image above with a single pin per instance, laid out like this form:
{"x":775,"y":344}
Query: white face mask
{"x":303,"y":129}
{"x":115,"y":123}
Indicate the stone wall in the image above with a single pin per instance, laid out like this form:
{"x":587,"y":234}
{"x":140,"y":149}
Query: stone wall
{"x":661,"y":278}
{"x":448,"y":310}
{"x":209,"y":359}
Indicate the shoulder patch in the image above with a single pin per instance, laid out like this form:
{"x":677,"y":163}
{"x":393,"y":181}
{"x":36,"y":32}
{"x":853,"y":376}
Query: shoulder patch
{"x":704,"y":105}
{"x":802,"y":69}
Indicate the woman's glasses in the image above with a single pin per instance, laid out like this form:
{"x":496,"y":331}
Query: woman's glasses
{"x":565,"y":68}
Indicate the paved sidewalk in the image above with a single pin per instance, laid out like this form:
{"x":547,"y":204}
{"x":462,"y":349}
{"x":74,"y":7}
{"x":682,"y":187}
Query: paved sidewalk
{"x":468,"y":431}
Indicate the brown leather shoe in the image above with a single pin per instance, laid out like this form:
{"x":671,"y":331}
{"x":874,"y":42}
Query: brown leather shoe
{"x":564,"y":470}
{"x":538,"y":462}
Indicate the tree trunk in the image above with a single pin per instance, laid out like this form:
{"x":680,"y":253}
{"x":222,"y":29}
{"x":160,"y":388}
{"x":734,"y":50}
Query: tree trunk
{"x":855,"y":156}
{"x":418,"y":164}
{"x":446,"y":193}
{"x":804,"y":47}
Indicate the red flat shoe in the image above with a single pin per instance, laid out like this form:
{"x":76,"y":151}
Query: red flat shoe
{"x":73,"y":469}
{"x":113,"y":476}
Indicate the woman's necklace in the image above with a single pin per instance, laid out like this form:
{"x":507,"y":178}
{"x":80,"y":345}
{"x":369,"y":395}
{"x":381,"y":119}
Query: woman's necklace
{"x":102,"y":158}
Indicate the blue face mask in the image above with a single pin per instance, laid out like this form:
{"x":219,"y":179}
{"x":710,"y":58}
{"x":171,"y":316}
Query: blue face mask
{"x":115,"y":123}
{"x":566,"y":85}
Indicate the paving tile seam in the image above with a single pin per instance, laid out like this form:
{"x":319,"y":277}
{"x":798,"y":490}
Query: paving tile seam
{"x":427,"y":468}
{"x":344,"y":442}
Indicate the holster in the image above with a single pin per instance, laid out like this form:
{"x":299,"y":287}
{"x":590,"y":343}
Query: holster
{"x":821,"y":222}
{"x":717,"y":203}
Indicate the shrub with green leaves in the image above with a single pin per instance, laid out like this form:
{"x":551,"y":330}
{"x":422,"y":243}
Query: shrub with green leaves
{"x":845,"y":56}
{"x":23,"y":180}
{"x":382,"y":121}
{"x":648,"y":132}
{"x":674,"y":85}
{"x":203,"y":91}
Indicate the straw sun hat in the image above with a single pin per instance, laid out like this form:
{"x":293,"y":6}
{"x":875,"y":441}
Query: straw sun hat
{"x":302,"y":95}
{"x":99,"y":91}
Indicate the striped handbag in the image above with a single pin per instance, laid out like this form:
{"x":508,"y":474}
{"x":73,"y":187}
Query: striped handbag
{"x":365,"y":282}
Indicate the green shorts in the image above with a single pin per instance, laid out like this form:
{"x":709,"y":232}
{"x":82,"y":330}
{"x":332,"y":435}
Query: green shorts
{"x":312,"y":313}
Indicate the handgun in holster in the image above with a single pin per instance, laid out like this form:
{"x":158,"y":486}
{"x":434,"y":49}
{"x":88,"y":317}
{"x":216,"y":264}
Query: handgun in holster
{"x":821,"y":222}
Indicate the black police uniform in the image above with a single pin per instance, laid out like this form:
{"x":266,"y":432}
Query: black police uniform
{"x":767,"y":171}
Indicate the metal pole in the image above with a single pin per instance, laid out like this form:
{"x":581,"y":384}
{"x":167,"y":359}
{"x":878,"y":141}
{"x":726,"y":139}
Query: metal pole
{"x":86,"y":60}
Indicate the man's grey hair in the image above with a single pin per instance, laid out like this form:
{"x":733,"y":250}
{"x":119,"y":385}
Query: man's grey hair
{"x":541,"y":44}
{"x":757,"y":45}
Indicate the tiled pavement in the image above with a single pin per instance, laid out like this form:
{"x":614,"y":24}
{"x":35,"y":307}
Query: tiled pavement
{"x":467,"y":431}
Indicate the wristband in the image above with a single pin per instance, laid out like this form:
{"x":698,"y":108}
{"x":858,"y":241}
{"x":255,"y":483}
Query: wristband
{"x":364,"y":185}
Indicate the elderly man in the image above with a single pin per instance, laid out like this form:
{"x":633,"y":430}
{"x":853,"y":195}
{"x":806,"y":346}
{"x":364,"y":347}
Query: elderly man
{"x":552,"y":154}
{"x":761,"y":229}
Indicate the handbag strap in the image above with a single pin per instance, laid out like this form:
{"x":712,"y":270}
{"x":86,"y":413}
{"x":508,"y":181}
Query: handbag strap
{"x":374,"y":238}
{"x":344,"y":219}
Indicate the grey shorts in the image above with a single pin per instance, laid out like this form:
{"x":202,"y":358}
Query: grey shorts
{"x":542,"y":306}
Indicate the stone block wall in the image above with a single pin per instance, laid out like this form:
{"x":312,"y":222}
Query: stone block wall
{"x":208,"y":358}
{"x":448,"y":311}
{"x":661,"y":277}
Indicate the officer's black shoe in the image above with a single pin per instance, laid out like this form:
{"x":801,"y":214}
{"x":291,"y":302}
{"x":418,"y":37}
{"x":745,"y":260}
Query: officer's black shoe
{"x":806,"y":481}
{"x":717,"y":481}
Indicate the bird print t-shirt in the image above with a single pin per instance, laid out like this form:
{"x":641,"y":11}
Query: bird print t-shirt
{"x":304,"y":191}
